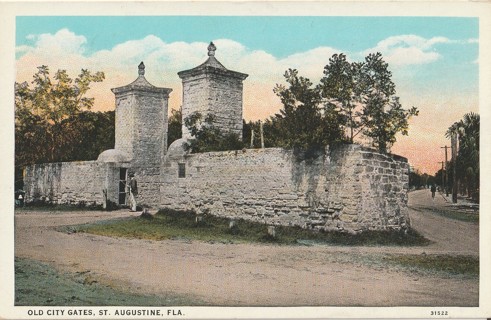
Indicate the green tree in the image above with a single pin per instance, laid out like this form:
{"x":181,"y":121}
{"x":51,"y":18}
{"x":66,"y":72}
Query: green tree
{"x":90,"y":133}
{"x":467,"y":166}
{"x":52,"y":121}
{"x":175,"y":126}
{"x":206,"y":137}
{"x":382,"y":116}
{"x":351,"y":98}
{"x":44,"y":114}
{"x":304,"y":123}
{"x":339,"y":89}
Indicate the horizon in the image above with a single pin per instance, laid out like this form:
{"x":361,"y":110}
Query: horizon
{"x":434,"y":61}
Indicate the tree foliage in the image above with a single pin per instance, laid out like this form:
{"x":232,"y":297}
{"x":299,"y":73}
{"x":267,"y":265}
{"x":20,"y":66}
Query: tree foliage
{"x":364,"y":94}
{"x":383,"y":115}
{"x":467,"y":163}
{"x":206,"y":137}
{"x":53,"y":122}
{"x":352,"y":98}
{"x":175,"y":126}
{"x":339,"y":89}
{"x":304,"y":122}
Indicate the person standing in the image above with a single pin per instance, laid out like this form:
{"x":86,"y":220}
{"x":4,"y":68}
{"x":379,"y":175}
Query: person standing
{"x":133,"y":190}
{"x":433,"y":190}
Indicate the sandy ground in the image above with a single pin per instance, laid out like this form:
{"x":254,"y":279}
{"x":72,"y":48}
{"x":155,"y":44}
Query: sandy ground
{"x":255,"y":275}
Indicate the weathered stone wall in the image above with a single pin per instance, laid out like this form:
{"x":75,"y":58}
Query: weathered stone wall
{"x":141,"y":127}
{"x":141,"y":132}
{"x":66,"y":182}
{"x":349,"y":189}
{"x":215,"y":94}
{"x":148,"y":179}
{"x":227,"y":103}
{"x":83,"y":182}
{"x":124,"y":124}
{"x":194,"y":99}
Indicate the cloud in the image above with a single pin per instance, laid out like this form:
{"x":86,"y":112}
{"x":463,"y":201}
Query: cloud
{"x":406,"y":50}
{"x":66,"y":50}
{"x":62,"y":42}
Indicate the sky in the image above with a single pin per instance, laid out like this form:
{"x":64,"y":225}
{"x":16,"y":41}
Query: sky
{"x":434,"y":60}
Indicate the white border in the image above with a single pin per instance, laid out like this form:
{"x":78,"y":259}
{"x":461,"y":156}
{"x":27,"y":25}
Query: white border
{"x":8,"y":12}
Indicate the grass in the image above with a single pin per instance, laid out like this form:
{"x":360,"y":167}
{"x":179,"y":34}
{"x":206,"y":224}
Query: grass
{"x":38,"y":284}
{"x":441,"y":264}
{"x":168,"y":224}
{"x":451,"y":214}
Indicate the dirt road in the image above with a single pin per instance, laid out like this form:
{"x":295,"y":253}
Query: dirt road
{"x":255,"y":275}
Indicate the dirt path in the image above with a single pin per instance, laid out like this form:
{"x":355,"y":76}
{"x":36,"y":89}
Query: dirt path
{"x":451,"y":236}
{"x":245,"y":274}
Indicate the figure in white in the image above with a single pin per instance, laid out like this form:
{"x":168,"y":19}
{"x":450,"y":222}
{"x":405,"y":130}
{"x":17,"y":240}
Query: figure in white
{"x":133,"y":191}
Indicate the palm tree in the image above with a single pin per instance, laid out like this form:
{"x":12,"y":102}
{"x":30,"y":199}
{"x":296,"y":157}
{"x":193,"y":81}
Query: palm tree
{"x":466,"y":163}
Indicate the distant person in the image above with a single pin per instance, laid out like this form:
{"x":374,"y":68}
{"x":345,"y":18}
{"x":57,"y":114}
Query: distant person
{"x":433,"y":190}
{"x":133,"y":190}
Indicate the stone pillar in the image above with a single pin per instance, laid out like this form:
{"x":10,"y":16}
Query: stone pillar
{"x":141,"y":120}
{"x":210,"y":88}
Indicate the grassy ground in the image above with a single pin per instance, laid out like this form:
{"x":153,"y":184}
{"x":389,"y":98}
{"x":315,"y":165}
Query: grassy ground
{"x":452,"y":214}
{"x":38,"y":284}
{"x":448,"y":265}
{"x":182,"y":225}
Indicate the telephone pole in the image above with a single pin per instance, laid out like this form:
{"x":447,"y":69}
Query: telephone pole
{"x":446,"y":170}
{"x":443,"y":177}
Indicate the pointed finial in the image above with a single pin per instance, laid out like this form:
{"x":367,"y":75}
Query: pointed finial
{"x":211,"y":49}
{"x":141,"y":69}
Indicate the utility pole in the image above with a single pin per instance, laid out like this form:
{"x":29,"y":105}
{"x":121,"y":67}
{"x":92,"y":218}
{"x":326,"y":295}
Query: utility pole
{"x":252,"y":138}
{"x":262,"y":133}
{"x":446,"y":170}
{"x":443,"y":177}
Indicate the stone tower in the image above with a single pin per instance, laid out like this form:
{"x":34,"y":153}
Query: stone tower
{"x":210,"y":88}
{"x":141,"y":121}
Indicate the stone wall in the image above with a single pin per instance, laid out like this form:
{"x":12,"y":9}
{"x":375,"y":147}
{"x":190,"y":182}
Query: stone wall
{"x":141,"y":127}
{"x":349,"y":189}
{"x":125,"y":124}
{"x":148,"y":179}
{"x":66,"y":182}
{"x":83,"y":182}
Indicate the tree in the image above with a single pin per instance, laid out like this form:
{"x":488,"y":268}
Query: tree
{"x":304,"y":123}
{"x":382,"y":116}
{"x":52,"y":121}
{"x":206,"y":137}
{"x":351,"y":98}
{"x":45,"y":130}
{"x":175,"y":126}
{"x":339,"y":89}
{"x":466,"y":134}
{"x":90,"y":133}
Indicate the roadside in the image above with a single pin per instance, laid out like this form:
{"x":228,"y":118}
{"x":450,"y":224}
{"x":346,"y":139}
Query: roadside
{"x":54,"y":288}
{"x":259,"y":275}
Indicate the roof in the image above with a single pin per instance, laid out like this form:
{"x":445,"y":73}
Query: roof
{"x":113,"y":155}
{"x":141,"y":84}
{"x":211,"y":65}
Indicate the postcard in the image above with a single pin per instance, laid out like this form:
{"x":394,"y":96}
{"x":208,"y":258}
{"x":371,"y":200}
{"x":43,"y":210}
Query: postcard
{"x":245,"y":160}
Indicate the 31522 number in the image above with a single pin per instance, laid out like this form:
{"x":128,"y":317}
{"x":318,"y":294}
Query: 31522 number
{"x":439,"y":313}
